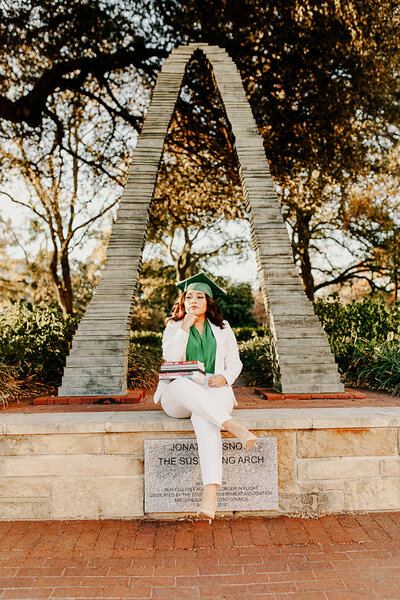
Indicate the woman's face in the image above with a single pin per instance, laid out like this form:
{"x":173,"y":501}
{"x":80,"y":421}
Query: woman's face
{"x":195,"y":303}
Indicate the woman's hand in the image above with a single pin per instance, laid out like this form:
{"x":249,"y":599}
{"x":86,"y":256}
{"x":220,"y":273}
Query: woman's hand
{"x":217,"y":381}
{"x":188,"y":320}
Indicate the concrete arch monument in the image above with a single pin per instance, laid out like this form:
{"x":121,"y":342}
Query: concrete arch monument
{"x":98,"y":360}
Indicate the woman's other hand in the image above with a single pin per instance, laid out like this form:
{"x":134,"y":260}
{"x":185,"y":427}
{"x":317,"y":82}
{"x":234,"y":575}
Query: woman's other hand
{"x":217,"y":381}
{"x":188,"y":320}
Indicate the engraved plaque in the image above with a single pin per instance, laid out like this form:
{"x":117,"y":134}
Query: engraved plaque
{"x":172,"y":476}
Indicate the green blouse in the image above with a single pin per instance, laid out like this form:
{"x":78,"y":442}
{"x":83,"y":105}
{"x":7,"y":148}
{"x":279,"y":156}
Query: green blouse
{"x":202,"y":348}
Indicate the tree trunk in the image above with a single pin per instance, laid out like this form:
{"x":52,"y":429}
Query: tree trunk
{"x":63,"y":286}
{"x":68,"y":294}
{"x":304,"y":237}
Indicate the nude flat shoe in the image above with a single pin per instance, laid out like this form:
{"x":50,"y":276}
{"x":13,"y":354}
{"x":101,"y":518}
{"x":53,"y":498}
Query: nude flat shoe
{"x":205,"y":512}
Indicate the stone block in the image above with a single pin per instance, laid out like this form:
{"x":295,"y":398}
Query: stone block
{"x":326,"y":485}
{"x":26,"y":466}
{"x":372,"y":494}
{"x":312,"y":503}
{"x":286,"y":458}
{"x":357,"y":418}
{"x":172,"y":476}
{"x":346,"y":442}
{"x":13,"y":509}
{"x":24,"y":487}
{"x":12,"y":445}
{"x":132,"y":443}
{"x":337,"y":468}
{"x":390,"y":467}
{"x":103,"y":465}
{"x":97,"y":497}
{"x":66,"y":444}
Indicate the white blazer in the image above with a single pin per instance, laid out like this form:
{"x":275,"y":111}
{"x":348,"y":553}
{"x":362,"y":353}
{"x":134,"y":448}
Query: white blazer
{"x":227,"y":360}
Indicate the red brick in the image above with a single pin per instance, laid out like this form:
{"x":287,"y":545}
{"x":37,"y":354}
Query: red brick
{"x":11,"y":571}
{"x":278,"y":531}
{"x":299,"y":565}
{"x":245,"y":578}
{"x":240,"y":532}
{"x":145,"y":535}
{"x":87,"y":572}
{"x":334,"y":529}
{"x":214,"y":569}
{"x":114,"y":592}
{"x":203,"y":534}
{"x":201,"y":580}
{"x":80,"y":592}
{"x":60,"y":400}
{"x":300,"y":596}
{"x":31,"y":593}
{"x":165,"y":535}
{"x":184,"y":593}
{"x":184,"y":534}
{"x":11,"y":582}
{"x":259,"y":532}
{"x":138,"y":592}
{"x":127,"y":535}
{"x":57,"y":581}
{"x":41,"y":401}
{"x":291,"y":576}
{"x":222,"y":534}
{"x":388,"y":525}
{"x":352,"y":528}
{"x":272,"y":588}
{"x":274,"y":565}
{"x":349,"y":595}
{"x":296,"y":530}
{"x":395,"y":516}
{"x":322,"y":585}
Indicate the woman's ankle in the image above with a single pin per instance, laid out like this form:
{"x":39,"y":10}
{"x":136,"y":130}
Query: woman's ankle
{"x":210,"y":495}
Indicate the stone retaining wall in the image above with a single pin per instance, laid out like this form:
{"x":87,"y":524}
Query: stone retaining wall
{"x":90,"y":465}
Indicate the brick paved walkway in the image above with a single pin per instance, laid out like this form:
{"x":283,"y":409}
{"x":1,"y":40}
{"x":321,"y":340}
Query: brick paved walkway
{"x":341,"y":557}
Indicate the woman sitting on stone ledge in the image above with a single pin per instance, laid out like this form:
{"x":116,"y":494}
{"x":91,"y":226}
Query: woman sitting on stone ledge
{"x":197,"y":331}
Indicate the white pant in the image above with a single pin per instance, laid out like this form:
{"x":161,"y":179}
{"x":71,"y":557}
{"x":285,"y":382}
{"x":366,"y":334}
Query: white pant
{"x":208,"y":408}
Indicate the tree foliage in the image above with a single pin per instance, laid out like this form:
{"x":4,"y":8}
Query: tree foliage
{"x":321,"y":78}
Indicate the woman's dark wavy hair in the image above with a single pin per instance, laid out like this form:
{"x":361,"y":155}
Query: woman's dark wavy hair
{"x":213,"y":312}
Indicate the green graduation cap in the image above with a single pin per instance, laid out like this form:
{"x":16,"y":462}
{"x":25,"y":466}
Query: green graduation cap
{"x":202,"y":283}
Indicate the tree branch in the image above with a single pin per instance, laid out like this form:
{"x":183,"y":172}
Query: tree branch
{"x":30,"y":108}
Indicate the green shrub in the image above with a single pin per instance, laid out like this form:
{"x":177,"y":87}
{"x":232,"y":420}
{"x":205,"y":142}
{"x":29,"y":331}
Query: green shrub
{"x":257,"y":361}
{"x":243,"y":334}
{"x":383,"y":370}
{"x":35,"y":338}
{"x":143,"y":366}
{"x":370,"y":319}
{"x":369,"y":364}
{"x":147,"y":338}
{"x":364,"y":336}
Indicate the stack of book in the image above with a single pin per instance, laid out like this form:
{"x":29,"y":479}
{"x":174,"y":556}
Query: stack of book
{"x":191,"y":369}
